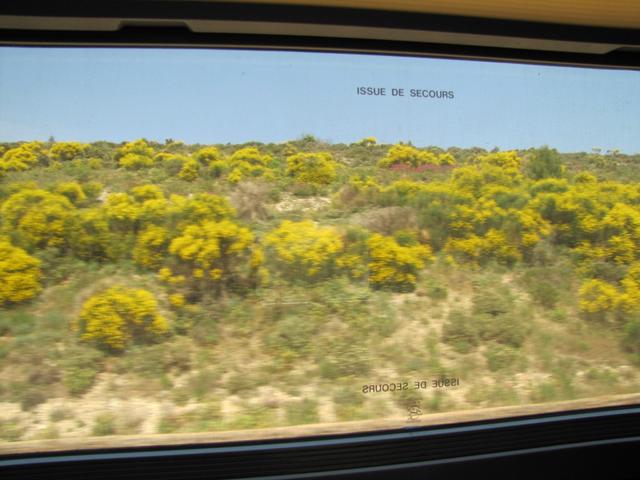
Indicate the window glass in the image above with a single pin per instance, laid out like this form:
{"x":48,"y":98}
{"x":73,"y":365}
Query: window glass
{"x":203,"y":245}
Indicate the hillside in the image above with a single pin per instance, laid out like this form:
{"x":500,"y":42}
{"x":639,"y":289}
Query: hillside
{"x":165,"y":288}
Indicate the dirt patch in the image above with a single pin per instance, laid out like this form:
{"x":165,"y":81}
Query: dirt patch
{"x":290,"y":203}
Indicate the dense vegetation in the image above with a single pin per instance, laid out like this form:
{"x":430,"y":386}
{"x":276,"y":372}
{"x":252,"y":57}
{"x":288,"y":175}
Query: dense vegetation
{"x":238,"y":286}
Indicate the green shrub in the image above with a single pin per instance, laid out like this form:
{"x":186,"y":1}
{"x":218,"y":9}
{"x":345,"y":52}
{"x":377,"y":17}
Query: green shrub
{"x":146,"y":361}
{"x":436,"y":402}
{"x":31,"y":397}
{"x":154,"y":361}
{"x":543,"y":254}
{"x":435,"y":290}
{"x":349,"y":413}
{"x":80,"y":368}
{"x":433,"y":352}
{"x":292,"y":336}
{"x":201,"y":383}
{"x":602,"y":376}
{"x":49,"y":433}
{"x":381,"y":322}
{"x":172,"y":164}
{"x":492,"y":395}
{"x":460,"y":331}
{"x":492,"y":301}
{"x":257,"y":416}
{"x":10,"y":430}
{"x":343,"y":356}
{"x":631,"y":337}
{"x":544,"y":163}
{"x":494,"y":315}
{"x":301,"y":412}
{"x":240,"y":382}
{"x":16,"y":323}
{"x":378,"y":408}
{"x":501,"y":357}
{"x":104,"y":424}
{"x":389,"y":220}
{"x":60,"y":413}
{"x":177,"y":355}
{"x":544,"y":294}
{"x":348,"y":403}
{"x":44,"y":374}
{"x":202,"y":328}
{"x":545,"y":392}
{"x":347,"y":395}
{"x":564,"y":372}
{"x":414,"y":363}
{"x":408,"y":398}
{"x":606,"y":271}
{"x":79,"y":380}
{"x":508,"y":329}
{"x":169,"y":424}
{"x":129,"y":423}
{"x":558,"y":315}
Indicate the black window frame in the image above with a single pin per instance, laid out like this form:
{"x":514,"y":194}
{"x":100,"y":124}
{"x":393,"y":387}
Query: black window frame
{"x":590,"y":442}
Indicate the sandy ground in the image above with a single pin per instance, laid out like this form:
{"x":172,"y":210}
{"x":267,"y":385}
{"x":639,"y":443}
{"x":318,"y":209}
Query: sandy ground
{"x":123,"y":441}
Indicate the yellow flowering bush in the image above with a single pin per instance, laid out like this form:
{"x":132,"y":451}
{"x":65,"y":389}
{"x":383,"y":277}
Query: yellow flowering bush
{"x":189,"y":170}
{"x":508,"y":160}
{"x":368,"y":141}
{"x":598,"y":297}
{"x":408,"y":155}
{"x":393,"y":266}
{"x":359,"y":191}
{"x":205,"y":206}
{"x":151,"y":247}
{"x":133,"y":161}
{"x":119,"y":316}
{"x":142,"y":193}
{"x":246,"y":162}
{"x":250,"y":155}
{"x":206,"y":155}
{"x":304,"y":249}
{"x":64,"y":151}
{"x":158,"y":211}
{"x":629,"y":299}
{"x":212,"y":159}
{"x":480,"y":249}
{"x":22,"y":157}
{"x":138,"y":147}
{"x":73,"y":191}
{"x":19,"y":274}
{"x":90,"y":237}
{"x":177,"y":300}
{"x":549,"y":185}
{"x":122,"y":210}
{"x":446,"y":159}
{"x":213,"y":255}
{"x":314,"y":168}
{"x":37,"y":218}
{"x":172,"y":163}
{"x":135,"y":155}
{"x":404,"y":190}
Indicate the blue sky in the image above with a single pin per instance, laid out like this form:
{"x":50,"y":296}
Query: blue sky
{"x":210,"y":96}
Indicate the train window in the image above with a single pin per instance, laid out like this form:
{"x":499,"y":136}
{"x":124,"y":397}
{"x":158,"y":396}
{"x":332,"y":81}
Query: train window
{"x":201,"y":245}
